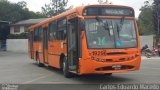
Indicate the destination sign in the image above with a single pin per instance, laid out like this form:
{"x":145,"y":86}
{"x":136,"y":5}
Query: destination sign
{"x":108,"y":11}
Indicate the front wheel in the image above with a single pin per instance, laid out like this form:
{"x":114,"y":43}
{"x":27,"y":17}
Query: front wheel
{"x":108,"y":74}
{"x":66,"y":72}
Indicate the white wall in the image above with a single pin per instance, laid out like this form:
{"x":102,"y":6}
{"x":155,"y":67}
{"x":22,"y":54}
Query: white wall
{"x":17,"y":45}
{"x":146,"y":40}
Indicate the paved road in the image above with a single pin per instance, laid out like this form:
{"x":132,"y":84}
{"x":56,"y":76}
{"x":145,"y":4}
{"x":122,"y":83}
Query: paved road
{"x":18,"y":68}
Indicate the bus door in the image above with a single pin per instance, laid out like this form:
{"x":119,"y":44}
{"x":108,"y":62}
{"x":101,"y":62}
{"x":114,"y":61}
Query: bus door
{"x":45,"y":45}
{"x":31,"y":45}
{"x":72,"y":44}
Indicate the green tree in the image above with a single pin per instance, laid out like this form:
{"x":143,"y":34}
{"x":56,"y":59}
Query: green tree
{"x":104,"y":2}
{"x":156,"y":18}
{"x":145,"y":18}
{"x":4,"y":30}
{"x":16,"y":11}
{"x":54,"y":7}
{"x":22,"y":4}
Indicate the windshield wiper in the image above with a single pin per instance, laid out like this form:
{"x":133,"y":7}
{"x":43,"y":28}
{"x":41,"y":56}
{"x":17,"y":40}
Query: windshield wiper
{"x":120,"y":27}
{"x":105,"y":26}
{"x":122,"y":22}
{"x":118,"y":30}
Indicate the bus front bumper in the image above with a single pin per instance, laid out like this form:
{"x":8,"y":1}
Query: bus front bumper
{"x":94,"y":67}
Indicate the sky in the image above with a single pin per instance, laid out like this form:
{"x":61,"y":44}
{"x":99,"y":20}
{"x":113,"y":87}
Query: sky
{"x":35,"y":5}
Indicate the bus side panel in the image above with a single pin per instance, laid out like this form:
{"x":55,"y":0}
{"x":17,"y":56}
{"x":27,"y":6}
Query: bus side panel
{"x":29,"y":49}
{"x":30,"y":45}
{"x":53,"y":54}
{"x":53,"y":61}
{"x":40,"y":50}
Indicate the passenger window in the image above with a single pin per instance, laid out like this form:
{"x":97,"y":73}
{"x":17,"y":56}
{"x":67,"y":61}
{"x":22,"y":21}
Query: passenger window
{"x":57,"y":30}
{"x":40,"y":31}
{"x":62,"y":27}
{"x":36,"y":34}
{"x":52,"y":31}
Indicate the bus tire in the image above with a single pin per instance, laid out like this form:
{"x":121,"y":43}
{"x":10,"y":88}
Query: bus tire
{"x":66,"y":72}
{"x":39,"y":64}
{"x":108,"y":74}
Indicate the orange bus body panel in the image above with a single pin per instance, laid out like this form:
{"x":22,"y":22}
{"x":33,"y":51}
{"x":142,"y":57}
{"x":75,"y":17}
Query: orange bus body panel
{"x":88,"y":63}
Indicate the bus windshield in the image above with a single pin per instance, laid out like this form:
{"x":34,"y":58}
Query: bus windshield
{"x":111,"y":33}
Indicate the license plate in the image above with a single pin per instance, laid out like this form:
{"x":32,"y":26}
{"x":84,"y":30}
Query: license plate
{"x":116,"y":66}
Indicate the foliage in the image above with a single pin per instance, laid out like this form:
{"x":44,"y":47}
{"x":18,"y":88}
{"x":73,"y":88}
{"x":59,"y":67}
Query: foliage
{"x":156,"y":19}
{"x":16,"y":11}
{"x":145,"y":19}
{"x":104,"y":2}
{"x":149,"y":19}
{"x":54,"y":7}
{"x":4,"y":30}
{"x":156,"y":15}
{"x":23,"y":35}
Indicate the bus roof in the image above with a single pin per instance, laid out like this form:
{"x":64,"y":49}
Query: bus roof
{"x":78,"y":10}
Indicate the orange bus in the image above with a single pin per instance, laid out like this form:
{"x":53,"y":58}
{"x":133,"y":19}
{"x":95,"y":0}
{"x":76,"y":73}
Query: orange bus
{"x":92,"y":39}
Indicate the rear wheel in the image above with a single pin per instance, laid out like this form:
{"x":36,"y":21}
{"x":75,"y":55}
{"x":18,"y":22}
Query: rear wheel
{"x":66,"y":72}
{"x":38,"y":61}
